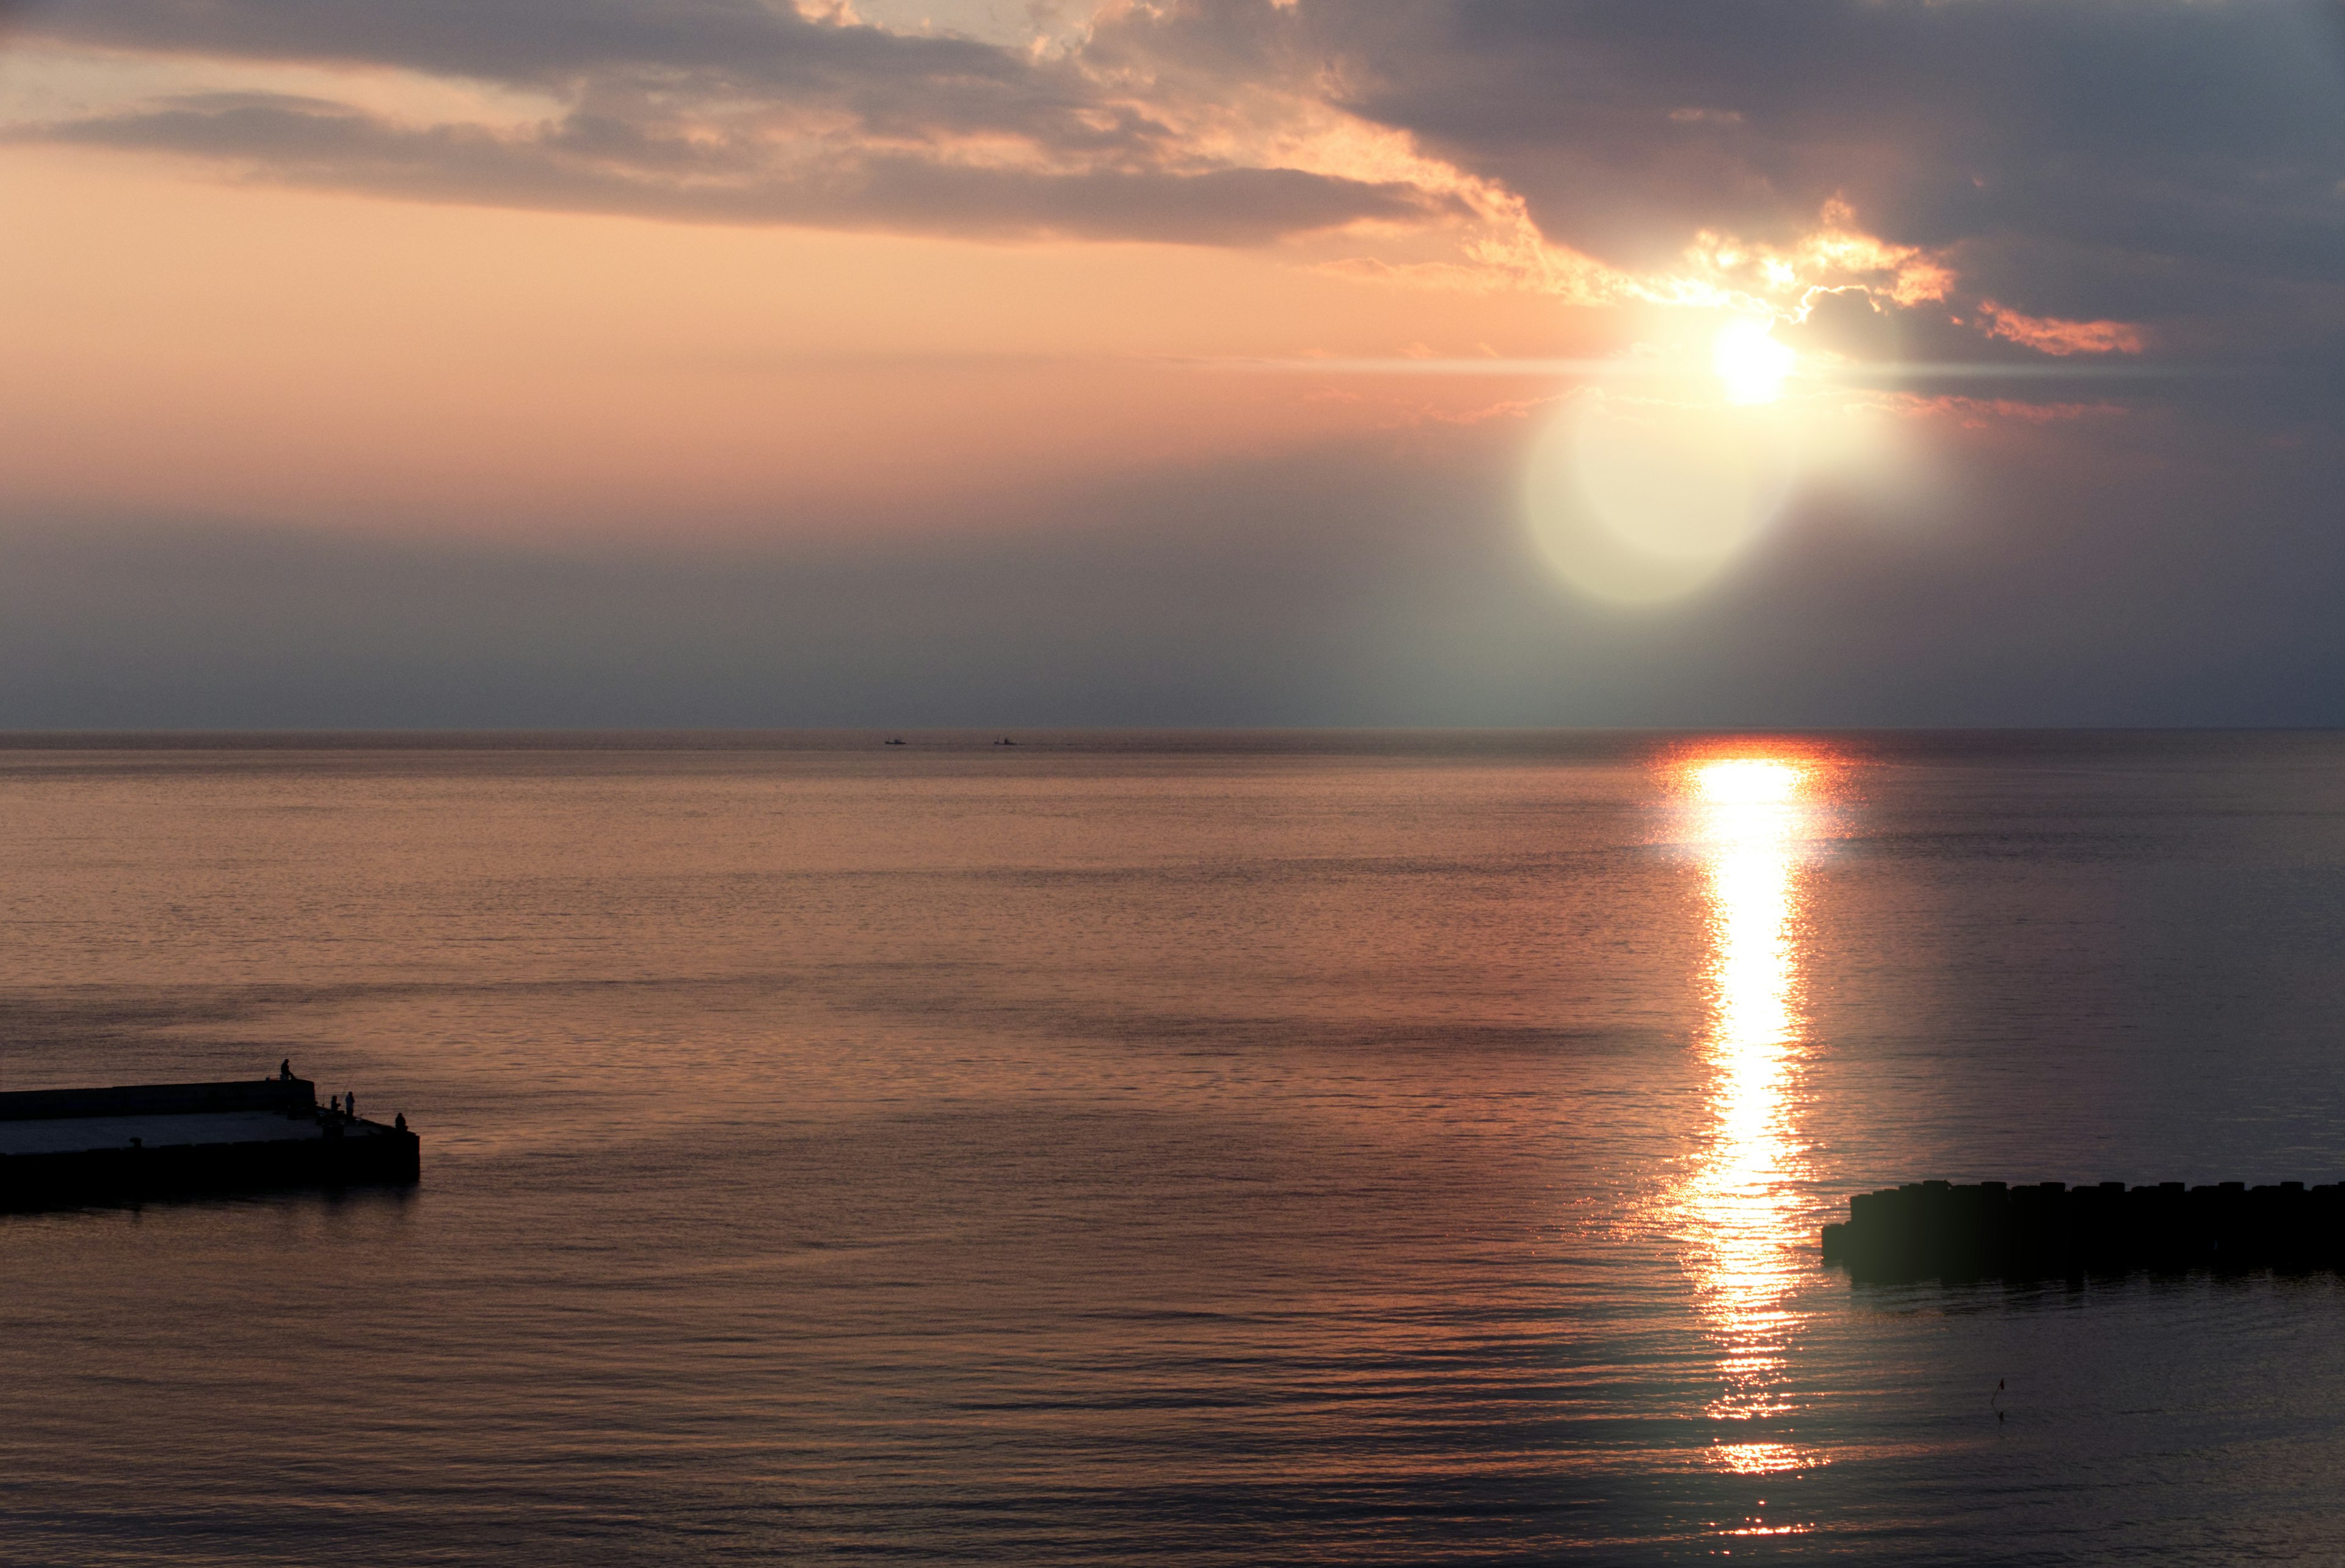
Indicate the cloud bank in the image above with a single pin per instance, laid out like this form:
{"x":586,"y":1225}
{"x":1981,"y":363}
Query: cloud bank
{"x":2108,"y":572}
{"x":2105,"y":172}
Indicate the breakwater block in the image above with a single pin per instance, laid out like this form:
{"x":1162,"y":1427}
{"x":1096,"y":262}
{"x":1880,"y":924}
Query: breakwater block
{"x":66,"y":1148}
{"x":1937,"y":1229}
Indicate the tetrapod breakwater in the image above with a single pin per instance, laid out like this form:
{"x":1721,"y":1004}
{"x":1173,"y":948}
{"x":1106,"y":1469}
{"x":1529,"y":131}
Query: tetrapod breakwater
{"x":1991,"y":1229}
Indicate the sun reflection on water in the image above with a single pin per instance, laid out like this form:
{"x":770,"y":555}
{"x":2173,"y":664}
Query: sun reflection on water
{"x":1742,"y":1205}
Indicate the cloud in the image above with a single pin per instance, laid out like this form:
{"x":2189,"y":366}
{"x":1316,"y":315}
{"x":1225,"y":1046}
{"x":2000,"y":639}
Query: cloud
{"x":2061,"y":338}
{"x":729,"y":111}
{"x":2090,"y":159}
{"x":2108,"y":173}
{"x":604,"y":164}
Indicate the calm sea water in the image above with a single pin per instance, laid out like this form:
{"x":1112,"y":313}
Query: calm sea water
{"x":1220,"y":1149}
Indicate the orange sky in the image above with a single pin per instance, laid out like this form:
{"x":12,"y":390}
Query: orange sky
{"x":197,"y":344}
{"x":1897,"y":290}
{"x":250,"y":333}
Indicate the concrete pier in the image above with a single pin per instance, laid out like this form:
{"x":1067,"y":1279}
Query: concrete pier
{"x":1936,"y":1229}
{"x":61,"y":1148}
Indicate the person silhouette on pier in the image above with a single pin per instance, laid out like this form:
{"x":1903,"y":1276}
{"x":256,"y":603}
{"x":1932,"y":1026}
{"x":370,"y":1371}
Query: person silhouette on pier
{"x":285,"y":1069}
{"x":334,"y":1103}
{"x":350,"y":1107}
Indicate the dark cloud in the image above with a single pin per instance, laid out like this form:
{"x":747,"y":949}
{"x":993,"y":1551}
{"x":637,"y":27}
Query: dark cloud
{"x":596,"y":163}
{"x":554,"y":42}
{"x":720,"y":110}
{"x":2091,"y":158}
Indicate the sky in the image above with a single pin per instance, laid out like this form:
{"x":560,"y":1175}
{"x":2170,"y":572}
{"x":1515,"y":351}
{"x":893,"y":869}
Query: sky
{"x":508,"y":363}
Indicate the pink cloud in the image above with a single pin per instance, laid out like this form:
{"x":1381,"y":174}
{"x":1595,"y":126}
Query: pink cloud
{"x":2050,"y":335}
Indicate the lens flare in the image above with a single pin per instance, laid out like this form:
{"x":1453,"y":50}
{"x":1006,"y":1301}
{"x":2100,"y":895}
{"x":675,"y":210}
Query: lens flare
{"x":1640,"y":498}
{"x":1656,"y":475}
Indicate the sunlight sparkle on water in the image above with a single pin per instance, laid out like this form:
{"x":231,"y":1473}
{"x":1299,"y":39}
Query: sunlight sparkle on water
{"x":1750,"y":780}
{"x":1740,"y":1205}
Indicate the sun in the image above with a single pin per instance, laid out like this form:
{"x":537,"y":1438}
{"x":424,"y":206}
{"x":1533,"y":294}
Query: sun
{"x":1748,"y":360}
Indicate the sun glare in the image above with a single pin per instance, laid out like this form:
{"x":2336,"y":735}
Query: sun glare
{"x":1747,"y":782}
{"x":1749,"y":361}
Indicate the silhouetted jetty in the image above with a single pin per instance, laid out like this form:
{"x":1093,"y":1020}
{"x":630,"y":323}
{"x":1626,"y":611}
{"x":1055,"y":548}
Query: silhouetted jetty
{"x":1936,"y":1229}
{"x":60,"y":1147}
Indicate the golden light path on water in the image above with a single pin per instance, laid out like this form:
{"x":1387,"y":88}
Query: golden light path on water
{"x":1741,"y":1205}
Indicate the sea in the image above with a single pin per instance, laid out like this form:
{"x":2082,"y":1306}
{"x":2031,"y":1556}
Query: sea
{"x":1200,"y":1148}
